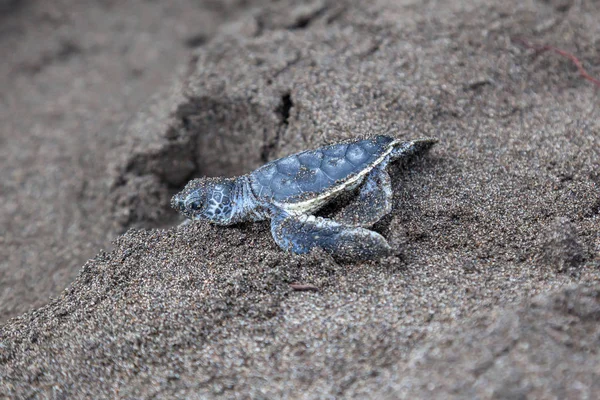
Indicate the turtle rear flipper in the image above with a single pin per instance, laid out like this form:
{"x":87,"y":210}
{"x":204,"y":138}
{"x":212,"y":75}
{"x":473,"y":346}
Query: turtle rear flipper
{"x":300,"y":234}
{"x":373,"y":202}
{"x":412,"y":148}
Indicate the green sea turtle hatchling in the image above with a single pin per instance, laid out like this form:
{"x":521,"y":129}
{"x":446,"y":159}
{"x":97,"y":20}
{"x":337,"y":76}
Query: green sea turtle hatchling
{"x":289,"y":190}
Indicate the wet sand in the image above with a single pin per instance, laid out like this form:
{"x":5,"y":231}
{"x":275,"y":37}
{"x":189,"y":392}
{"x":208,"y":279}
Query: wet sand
{"x":493,"y":289}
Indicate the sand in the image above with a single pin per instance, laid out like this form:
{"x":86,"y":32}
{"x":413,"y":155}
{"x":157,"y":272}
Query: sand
{"x":493,"y":289}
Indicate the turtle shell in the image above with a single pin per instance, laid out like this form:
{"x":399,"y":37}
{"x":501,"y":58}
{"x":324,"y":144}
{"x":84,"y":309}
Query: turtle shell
{"x":306,"y":180}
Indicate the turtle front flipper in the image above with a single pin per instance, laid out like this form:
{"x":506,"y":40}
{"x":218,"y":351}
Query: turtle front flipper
{"x":373,"y":201}
{"x":301,"y":233}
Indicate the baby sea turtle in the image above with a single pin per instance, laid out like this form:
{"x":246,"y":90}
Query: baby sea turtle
{"x":289,"y":190}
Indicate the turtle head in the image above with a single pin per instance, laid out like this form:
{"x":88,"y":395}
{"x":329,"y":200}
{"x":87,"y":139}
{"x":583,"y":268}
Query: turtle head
{"x":207,"y":198}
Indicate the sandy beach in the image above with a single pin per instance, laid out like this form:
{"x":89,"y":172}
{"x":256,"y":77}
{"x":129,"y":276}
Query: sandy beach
{"x":109,"y":108}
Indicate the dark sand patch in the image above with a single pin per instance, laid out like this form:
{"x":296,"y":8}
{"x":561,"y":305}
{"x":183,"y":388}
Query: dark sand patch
{"x":505,"y":208}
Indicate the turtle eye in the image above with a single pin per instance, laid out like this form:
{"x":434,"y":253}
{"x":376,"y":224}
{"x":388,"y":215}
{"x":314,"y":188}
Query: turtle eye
{"x":195,"y":205}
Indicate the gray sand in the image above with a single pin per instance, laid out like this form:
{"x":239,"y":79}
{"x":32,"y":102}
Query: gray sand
{"x":72,"y":73}
{"x":493,"y":291}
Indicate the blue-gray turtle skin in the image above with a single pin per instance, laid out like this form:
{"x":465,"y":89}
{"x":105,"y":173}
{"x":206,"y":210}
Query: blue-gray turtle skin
{"x":288,"y":190}
{"x":310,"y":173}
